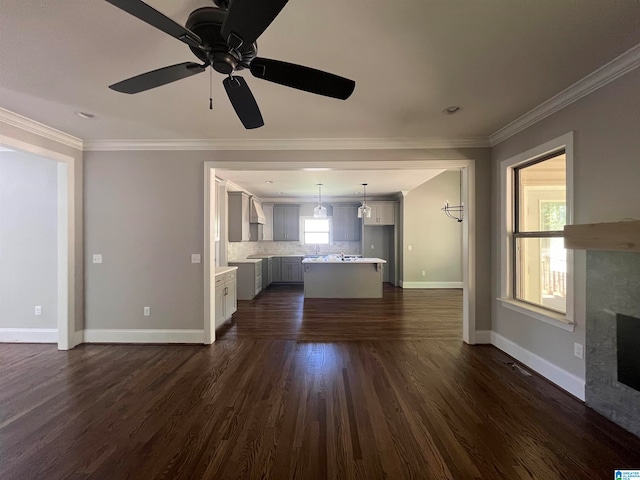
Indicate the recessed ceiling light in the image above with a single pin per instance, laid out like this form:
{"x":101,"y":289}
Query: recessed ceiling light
{"x":85,"y":115}
{"x":269,"y":181}
{"x":280,"y":193}
{"x":451,"y":110}
{"x":356,"y":193}
{"x":316,"y":169}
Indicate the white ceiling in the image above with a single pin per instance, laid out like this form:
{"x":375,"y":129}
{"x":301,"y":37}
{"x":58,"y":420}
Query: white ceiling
{"x":343,"y":184}
{"x":410,"y":59}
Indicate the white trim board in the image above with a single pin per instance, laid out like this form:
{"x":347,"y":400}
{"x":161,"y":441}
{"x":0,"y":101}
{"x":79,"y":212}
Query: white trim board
{"x":143,"y":336}
{"x":11,"y":118}
{"x":616,"y":68}
{"x":286,"y":144}
{"x":432,"y":284}
{"x":565,"y":380}
{"x":28,"y":335}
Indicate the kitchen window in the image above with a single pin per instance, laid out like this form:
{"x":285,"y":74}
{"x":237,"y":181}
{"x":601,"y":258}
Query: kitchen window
{"x":317,"y":231}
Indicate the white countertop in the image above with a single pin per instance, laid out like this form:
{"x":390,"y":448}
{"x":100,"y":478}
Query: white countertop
{"x":221,"y":270}
{"x":246,"y":260}
{"x":345,"y":261}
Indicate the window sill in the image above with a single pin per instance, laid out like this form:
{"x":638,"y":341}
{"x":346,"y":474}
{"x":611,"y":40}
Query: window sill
{"x":557,"y":319}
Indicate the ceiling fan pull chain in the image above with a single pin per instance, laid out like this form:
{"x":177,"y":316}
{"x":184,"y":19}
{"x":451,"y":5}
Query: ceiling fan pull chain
{"x":210,"y":89}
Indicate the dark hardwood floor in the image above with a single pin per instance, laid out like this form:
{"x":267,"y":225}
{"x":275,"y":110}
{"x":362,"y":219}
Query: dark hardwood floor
{"x":336,"y":389}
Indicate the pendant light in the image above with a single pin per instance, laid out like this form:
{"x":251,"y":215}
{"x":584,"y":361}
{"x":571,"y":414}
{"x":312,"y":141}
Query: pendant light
{"x":320,"y":211}
{"x":364,"y":211}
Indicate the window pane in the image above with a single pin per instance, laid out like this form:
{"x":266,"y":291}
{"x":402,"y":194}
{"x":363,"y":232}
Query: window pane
{"x":316,"y":225}
{"x":541,"y":272}
{"x":322,"y":238}
{"x":542,"y":196}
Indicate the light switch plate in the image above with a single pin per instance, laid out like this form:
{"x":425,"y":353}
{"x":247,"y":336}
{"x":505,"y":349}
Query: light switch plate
{"x":146,"y":311}
{"x":97,"y":258}
{"x":38,"y":310}
{"x":578,"y":350}
{"x":195,"y":258}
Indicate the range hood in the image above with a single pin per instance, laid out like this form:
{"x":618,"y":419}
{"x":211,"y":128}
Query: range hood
{"x":256,"y":214}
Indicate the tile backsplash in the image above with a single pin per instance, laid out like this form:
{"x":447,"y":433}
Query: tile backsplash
{"x":240,"y":250}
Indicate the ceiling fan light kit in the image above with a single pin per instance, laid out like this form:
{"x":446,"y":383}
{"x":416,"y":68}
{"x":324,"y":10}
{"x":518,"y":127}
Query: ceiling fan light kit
{"x":224,"y":38}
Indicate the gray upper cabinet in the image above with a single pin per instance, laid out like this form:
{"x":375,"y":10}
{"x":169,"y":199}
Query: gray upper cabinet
{"x":286,"y":222}
{"x":238,"y":208}
{"x":267,"y":230}
{"x":346,"y":224}
{"x":382,"y":213}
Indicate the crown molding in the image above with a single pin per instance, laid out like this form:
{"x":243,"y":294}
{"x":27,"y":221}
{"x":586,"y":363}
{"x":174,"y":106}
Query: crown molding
{"x":13,"y":119}
{"x":287,"y":144}
{"x":616,"y":68}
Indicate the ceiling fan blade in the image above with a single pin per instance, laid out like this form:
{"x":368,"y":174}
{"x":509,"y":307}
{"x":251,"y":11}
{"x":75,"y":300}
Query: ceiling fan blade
{"x":156,"y":19}
{"x":302,"y":78}
{"x":247,"y":19}
{"x":243,"y":102}
{"x":157,"y":78}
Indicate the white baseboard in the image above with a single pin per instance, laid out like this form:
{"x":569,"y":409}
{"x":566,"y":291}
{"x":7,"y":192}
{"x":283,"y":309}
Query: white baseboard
{"x":28,"y":335}
{"x":483,"y":337}
{"x":143,"y":336}
{"x":431,"y":284}
{"x":565,"y":380}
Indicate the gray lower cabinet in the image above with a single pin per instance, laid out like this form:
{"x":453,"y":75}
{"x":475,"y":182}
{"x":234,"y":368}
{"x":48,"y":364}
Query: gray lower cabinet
{"x":225,"y":297}
{"x":286,"y":222}
{"x":346,"y":224}
{"x":276,"y":270}
{"x":249,"y":282}
{"x":267,"y":272}
{"x":291,"y":270}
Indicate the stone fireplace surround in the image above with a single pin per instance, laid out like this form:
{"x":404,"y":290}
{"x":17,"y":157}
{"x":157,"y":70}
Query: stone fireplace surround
{"x":613,"y":287}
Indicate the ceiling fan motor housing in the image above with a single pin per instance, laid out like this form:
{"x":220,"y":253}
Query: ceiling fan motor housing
{"x":206,"y":22}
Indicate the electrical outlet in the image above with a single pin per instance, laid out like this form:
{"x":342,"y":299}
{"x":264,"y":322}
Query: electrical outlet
{"x":147,"y":311}
{"x":38,"y":310}
{"x":195,"y":258}
{"x":373,"y":247}
{"x":578,"y":350}
{"x":424,"y":273}
{"x":97,"y":258}
{"x":409,"y":247}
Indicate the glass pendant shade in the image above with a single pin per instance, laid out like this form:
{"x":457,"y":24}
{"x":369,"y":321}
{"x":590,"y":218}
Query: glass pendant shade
{"x":364,"y":210}
{"x":320,"y":211}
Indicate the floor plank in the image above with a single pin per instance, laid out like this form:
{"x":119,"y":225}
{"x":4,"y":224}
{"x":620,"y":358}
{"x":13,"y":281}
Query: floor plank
{"x":293,"y":389}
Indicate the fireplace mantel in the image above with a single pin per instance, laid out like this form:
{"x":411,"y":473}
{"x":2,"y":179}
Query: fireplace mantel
{"x":615,"y":236}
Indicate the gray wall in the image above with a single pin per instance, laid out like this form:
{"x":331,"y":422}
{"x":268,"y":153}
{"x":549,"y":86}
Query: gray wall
{"x":435,"y":239}
{"x":144,"y":214}
{"x":28,"y":241}
{"x":19,"y":138}
{"x":606,"y":183}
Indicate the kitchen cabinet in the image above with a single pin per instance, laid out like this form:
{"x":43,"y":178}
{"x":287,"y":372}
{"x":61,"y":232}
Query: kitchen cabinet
{"x":276,"y":270}
{"x":249,"y":278}
{"x":256,"y":232}
{"x":286,"y":222}
{"x":238,"y":211}
{"x":382,"y":213}
{"x":291,"y":270}
{"x":346,"y":224}
{"x":225,"y":296}
{"x":267,"y":228}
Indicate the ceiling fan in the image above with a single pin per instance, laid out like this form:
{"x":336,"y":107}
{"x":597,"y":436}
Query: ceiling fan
{"x":224,"y":38}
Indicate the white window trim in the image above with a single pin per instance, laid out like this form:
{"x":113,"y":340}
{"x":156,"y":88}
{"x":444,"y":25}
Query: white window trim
{"x":302,"y":231}
{"x":566,"y":321}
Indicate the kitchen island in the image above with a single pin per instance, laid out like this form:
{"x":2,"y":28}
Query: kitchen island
{"x":335,"y":277}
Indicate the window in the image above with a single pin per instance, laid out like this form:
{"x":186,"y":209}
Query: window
{"x":317,"y":230}
{"x":539,"y":261}
{"x":536,"y":272}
